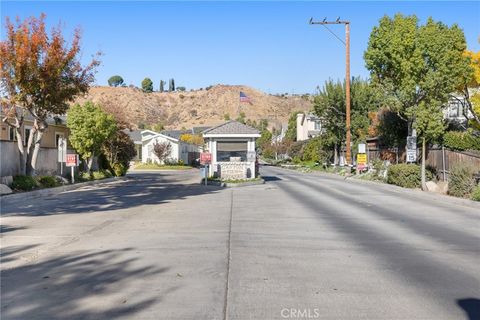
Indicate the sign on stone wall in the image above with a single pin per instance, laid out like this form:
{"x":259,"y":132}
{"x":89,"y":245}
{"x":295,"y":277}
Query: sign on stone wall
{"x":233,"y":170}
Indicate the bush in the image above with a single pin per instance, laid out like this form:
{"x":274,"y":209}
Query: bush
{"x":296,"y":149}
{"x":85,"y":176}
{"x":24,"y":183}
{"x":119,"y":169}
{"x":47,"y":181}
{"x":476,"y":193}
{"x":461,"y":181}
{"x":98,"y":175}
{"x":316,"y":150}
{"x":461,"y":141}
{"x":406,"y":175}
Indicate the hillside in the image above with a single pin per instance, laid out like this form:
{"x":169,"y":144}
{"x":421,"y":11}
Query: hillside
{"x":194,"y":108}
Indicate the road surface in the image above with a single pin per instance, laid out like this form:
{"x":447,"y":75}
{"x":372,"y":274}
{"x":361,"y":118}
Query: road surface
{"x":301,"y":246}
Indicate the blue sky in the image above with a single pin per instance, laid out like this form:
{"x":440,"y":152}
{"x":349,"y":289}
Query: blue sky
{"x":266,"y":45}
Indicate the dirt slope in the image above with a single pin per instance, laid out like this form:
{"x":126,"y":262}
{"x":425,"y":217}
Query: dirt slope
{"x":194,"y":108}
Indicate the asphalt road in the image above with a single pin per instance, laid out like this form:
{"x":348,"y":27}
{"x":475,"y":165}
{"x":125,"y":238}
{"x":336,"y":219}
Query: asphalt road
{"x":302,"y":246}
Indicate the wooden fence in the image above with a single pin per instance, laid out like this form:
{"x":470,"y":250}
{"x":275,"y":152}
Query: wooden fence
{"x":435,"y":158}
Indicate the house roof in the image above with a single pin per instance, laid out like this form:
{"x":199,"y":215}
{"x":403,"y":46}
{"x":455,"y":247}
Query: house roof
{"x":231,"y":127}
{"x":52,"y":119}
{"x":175,"y":133}
{"x":135,"y":135}
{"x":198,"y":130}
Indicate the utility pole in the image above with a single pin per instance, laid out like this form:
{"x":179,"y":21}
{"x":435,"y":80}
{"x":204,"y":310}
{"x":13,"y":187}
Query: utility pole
{"x":347,"y":75}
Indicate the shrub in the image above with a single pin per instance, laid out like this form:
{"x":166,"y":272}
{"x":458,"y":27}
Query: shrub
{"x":24,"y":183}
{"x":316,"y":150}
{"x":406,"y":175}
{"x":85,"y":176}
{"x":461,"y":141}
{"x":47,"y":181}
{"x":476,"y":193}
{"x":296,"y":149}
{"x":119,"y":169}
{"x":97,"y":175}
{"x":461,"y":182}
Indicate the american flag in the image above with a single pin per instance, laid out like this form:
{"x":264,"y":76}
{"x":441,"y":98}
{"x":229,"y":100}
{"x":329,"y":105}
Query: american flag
{"x":244,"y":98}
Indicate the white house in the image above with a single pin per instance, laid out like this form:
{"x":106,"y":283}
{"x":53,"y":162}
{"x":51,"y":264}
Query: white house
{"x":232,"y":146}
{"x":179,"y":151}
{"x":308,"y":126}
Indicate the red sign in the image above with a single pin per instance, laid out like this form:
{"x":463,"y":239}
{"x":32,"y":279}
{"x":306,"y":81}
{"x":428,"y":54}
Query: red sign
{"x":72,"y":160}
{"x":205,"y":158}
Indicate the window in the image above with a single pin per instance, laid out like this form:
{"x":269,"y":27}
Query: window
{"x":58,"y":135}
{"x":11,"y":134}
{"x":455,"y":109}
{"x":26,"y":134}
{"x":231,"y":151}
{"x":318,"y":125}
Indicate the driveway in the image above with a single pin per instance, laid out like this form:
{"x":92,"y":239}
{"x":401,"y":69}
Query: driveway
{"x":160,"y":246}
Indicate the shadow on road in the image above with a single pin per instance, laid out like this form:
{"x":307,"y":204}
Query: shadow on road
{"x":271,"y":178}
{"x":81,"y":286}
{"x":7,"y":228}
{"x":471,"y":306}
{"x":140,"y":189}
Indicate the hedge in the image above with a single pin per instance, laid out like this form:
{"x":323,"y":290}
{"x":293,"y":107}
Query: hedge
{"x":461,"y":141}
{"x":406,"y":175}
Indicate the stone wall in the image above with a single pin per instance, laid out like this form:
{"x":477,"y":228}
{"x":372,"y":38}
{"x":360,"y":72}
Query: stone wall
{"x":236,"y":170}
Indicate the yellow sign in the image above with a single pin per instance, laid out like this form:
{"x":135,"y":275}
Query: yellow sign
{"x":361,"y":158}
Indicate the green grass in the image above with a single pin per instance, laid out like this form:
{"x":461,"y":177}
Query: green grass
{"x":155,"y":166}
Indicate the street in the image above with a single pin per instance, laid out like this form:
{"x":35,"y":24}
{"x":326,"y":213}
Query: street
{"x":300,"y":246}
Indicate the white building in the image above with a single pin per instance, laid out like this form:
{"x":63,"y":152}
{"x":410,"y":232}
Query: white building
{"x":232,"y":146}
{"x":308,"y":126}
{"x":179,"y":150}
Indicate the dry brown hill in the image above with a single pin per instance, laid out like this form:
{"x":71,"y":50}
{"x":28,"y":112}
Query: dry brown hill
{"x":194,"y":108}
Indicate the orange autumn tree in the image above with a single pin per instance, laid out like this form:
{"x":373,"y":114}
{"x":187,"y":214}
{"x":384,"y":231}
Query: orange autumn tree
{"x":40,"y":73}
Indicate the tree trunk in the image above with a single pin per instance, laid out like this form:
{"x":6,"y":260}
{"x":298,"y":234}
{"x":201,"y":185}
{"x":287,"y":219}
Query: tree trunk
{"x":90,"y":163}
{"x":424,"y":182}
{"x":36,"y":150}
{"x":21,"y":151}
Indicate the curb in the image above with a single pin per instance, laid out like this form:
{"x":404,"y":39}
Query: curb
{"x":419,"y":194}
{"x":233,"y":185}
{"x":57,"y":190}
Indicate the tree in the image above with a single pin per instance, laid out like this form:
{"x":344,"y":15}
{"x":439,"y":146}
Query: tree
{"x":39,"y":75}
{"x":470,"y":90}
{"x":196,"y":139}
{"x":157,"y":127}
{"x":265,"y":139}
{"x":330,"y":106}
{"x":181,"y":88}
{"x":171,"y":85}
{"x":147,"y":85}
{"x":241,"y":117}
{"x":119,"y":150}
{"x":291,"y":133}
{"x":115,"y":81}
{"x":162,"y":85}
{"x":162,"y":150}
{"x":418,"y":67}
{"x":90,"y":127}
